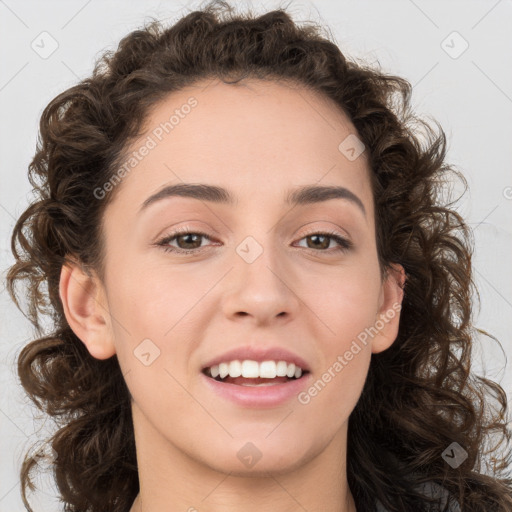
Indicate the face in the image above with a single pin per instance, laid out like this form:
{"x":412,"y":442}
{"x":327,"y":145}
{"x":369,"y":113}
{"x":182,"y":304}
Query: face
{"x":277,"y":276}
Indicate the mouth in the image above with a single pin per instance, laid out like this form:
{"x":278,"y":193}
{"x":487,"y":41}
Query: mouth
{"x":254,"y":373}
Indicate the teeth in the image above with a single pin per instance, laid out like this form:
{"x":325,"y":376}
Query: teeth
{"x":268,"y":369}
{"x":223,"y":370}
{"x":281,"y":369}
{"x":253,"y":369}
{"x":235,"y":369}
{"x":250,"y":369}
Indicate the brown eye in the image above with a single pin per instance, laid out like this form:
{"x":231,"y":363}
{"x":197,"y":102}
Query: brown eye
{"x":187,"y":242}
{"x":322,"y":241}
{"x":319,"y":241}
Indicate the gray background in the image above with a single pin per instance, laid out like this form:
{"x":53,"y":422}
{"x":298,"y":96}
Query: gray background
{"x":469,"y":93}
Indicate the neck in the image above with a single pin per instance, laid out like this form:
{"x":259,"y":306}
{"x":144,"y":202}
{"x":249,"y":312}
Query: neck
{"x":172,"y":481}
{"x":249,"y":496}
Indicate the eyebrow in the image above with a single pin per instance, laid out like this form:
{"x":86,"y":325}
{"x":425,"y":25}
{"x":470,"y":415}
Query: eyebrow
{"x":308,"y":194}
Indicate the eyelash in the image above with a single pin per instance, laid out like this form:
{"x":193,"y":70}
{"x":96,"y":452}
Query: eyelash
{"x":344,"y":244}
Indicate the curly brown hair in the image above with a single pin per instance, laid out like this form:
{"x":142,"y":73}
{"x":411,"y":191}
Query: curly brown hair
{"x":420,"y":395}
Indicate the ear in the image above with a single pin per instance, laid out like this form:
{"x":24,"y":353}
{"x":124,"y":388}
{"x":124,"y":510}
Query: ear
{"x":86,"y":309}
{"x":390,"y":304}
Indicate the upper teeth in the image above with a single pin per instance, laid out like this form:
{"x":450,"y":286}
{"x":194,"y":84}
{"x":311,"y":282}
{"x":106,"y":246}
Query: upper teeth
{"x":253,"y":369}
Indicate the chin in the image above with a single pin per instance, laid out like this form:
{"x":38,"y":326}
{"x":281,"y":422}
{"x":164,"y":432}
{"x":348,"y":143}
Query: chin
{"x":259,"y":458}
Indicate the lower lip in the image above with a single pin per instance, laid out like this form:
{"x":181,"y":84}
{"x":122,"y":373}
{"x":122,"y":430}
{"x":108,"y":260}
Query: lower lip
{"x":258,"y":396}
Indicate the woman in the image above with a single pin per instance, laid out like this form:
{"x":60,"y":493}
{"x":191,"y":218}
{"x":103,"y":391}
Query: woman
{"x":259,"y":300}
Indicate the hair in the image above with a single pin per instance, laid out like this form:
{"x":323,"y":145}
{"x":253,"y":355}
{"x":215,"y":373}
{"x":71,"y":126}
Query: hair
{"x":420,"y":395}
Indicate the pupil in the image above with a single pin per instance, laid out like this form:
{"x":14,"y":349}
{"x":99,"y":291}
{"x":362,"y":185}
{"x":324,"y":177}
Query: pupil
{"x":188,"y":235}
{"x":323,"y":245}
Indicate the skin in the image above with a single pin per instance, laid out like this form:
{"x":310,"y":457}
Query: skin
{"x":259,"y":140}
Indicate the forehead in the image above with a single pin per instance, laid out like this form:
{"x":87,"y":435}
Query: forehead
{"x":255,"y":137}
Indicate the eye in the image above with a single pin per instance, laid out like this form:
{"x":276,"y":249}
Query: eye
{"x":320,"y":241}
{"x":188,"y":242}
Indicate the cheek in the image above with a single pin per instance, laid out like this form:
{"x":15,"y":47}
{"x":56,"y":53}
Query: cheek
{"x":346,"y":301}
{"x":151,"y":316}
{"x":334,"y":393}
{"x":158,"y":318}
{"x":347,"y":312}
{"x":347,"y":307}
{"x":151,"y":299}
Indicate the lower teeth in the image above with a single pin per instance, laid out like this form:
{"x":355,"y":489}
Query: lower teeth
{"x":218,"y":379}
{"x":263,"y":384}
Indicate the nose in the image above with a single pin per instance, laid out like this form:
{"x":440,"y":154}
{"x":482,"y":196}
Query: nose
{"x":260,"y":287}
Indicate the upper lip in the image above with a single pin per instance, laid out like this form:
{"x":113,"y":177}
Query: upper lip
{"x":258,"y":354}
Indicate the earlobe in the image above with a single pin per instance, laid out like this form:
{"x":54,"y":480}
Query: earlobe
{"x":388,"y":318}
{"x":86,"y":309}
